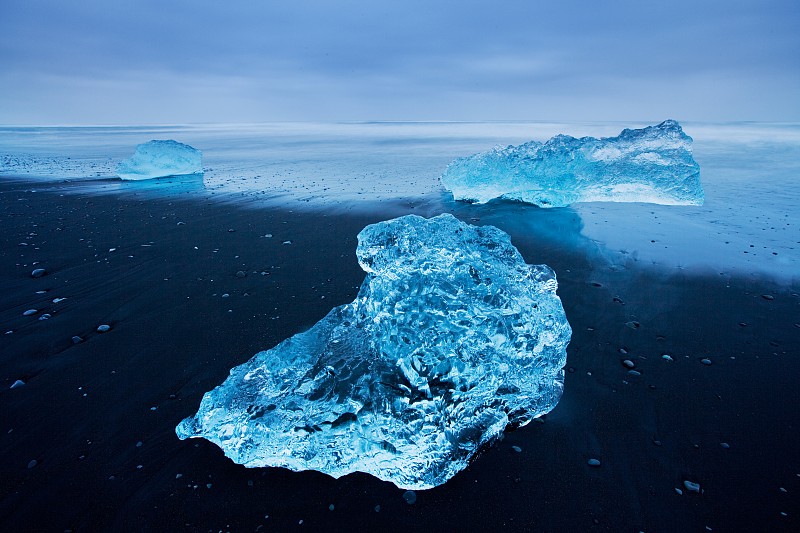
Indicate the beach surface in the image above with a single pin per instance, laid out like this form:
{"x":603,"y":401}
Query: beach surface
{"x":706,"y":439}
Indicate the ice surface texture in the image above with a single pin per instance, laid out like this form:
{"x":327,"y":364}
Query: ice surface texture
{"x":652,"y":164}
{"x":159,"y":159}
{"x":452,"y":338}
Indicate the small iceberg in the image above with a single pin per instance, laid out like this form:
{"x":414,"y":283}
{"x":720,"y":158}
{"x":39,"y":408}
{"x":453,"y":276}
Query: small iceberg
{"x":451,"y":339}
{"x":652,"y":164}
{"x":160,"y":159}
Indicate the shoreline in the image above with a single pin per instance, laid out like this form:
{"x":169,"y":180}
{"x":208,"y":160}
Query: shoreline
{"x":173,"y":337}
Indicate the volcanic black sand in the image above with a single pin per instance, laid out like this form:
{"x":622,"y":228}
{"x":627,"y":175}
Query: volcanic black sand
{"x":88,"y":442}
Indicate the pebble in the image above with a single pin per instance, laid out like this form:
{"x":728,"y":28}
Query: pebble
{"x":32,"y":463}
{"x":331,"y":507}
{"x":410,"y":497}
{"x":287,"y":242}
{"x":768,"y":297}
{"x":678,"y":491}
{"x":725,"y":445}
{"x":634,"y":373}
{"x":377,"y":508}
{"x":102,"y":328}
{"x":30,"y":312}
{"x":706,"y":361}
{"x":628,"y":363}
{"x":516,"y":449}
{"x":17,"y":384}
{"x":633,"y":324}
{"x":667,"y":357}
{"x":38,"y":273}
{"x":241,"y":274}
{"x":593,"y":462}
{"x":45,"y":316}
{"x":691,"y":486}
{"x":76,"y":340}
{"x":56,"y":300}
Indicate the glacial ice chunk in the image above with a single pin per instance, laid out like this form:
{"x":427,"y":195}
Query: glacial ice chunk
{"x":653,"y":164}
{"x":159,"y":159}
{"x":451,"y":339}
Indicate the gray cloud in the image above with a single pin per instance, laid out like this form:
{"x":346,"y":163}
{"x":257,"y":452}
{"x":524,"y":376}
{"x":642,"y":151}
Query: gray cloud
{"x":181,"y":61}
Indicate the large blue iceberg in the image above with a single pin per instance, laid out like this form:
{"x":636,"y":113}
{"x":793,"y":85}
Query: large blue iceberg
{"x":452,"y":338}
{"x":652,"y":164}
{"x":160,"y":159}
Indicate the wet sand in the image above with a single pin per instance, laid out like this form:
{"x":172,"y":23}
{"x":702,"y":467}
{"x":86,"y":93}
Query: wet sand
{"x":85,"y":407}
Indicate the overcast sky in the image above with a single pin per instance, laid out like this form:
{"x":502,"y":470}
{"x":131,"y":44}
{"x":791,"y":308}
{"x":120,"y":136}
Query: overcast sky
{"x":148,"y":61}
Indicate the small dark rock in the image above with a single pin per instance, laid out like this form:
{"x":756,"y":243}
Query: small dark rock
{"x":410,"y":497}
{"x":38,"y":273}
{"x":76,"y":340}
{"x":241,"y":274}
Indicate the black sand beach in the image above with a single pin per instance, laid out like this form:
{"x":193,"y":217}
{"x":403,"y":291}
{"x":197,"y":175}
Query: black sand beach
{"x":88,"y":442}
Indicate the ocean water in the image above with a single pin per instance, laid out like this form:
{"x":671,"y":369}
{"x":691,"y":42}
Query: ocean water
{"x":750,"y":172}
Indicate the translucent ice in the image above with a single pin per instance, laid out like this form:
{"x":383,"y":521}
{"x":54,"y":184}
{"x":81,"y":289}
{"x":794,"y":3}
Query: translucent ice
{"x":451,"y":339}
{"x":159,"y":159}
{"x":652,"y":164}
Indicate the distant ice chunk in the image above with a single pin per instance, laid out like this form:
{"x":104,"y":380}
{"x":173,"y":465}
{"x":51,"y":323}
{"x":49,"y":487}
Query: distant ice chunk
{"x":452,"y":338}
{"x":159,"y":159}
{"x":652,"y":164}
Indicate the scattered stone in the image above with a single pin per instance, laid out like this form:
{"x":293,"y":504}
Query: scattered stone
{"x":410,"y":497}
{"x":377,"y":508}
{"x":76,"y":340}
{"x":725,"y":445}
{"x":516,"y":449}
{"x":241,"y":274}
{"x":656,"y":442}
{"x":667,"y":357}
{"x":706,"y":361}
{"x":139,"y":444}
{"x":768,"y":297}
{"x":102,"y":328}
{"x":56,"y":300}
{"x":30,"y":312}
{"x":45,"y":316}
{"x":32,"y":463}
{"x":17,"y":384}
{"x":38,"y":273}
{"x":593,"y":462}
{"x":178,"y":476}
{"x":231,"y":230}
{"x":633,"y":324}
{"x":678,"y":491}
{"x":331,"y":507}
{"x":691,"y":486}
{"x":287,"y":242}
{"x":628,"y":363}
{"x":634,"y":373}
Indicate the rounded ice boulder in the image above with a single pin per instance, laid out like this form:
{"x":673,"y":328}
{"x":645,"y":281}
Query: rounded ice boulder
{"x":451,"y":339}
{"x":160,"y":159}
